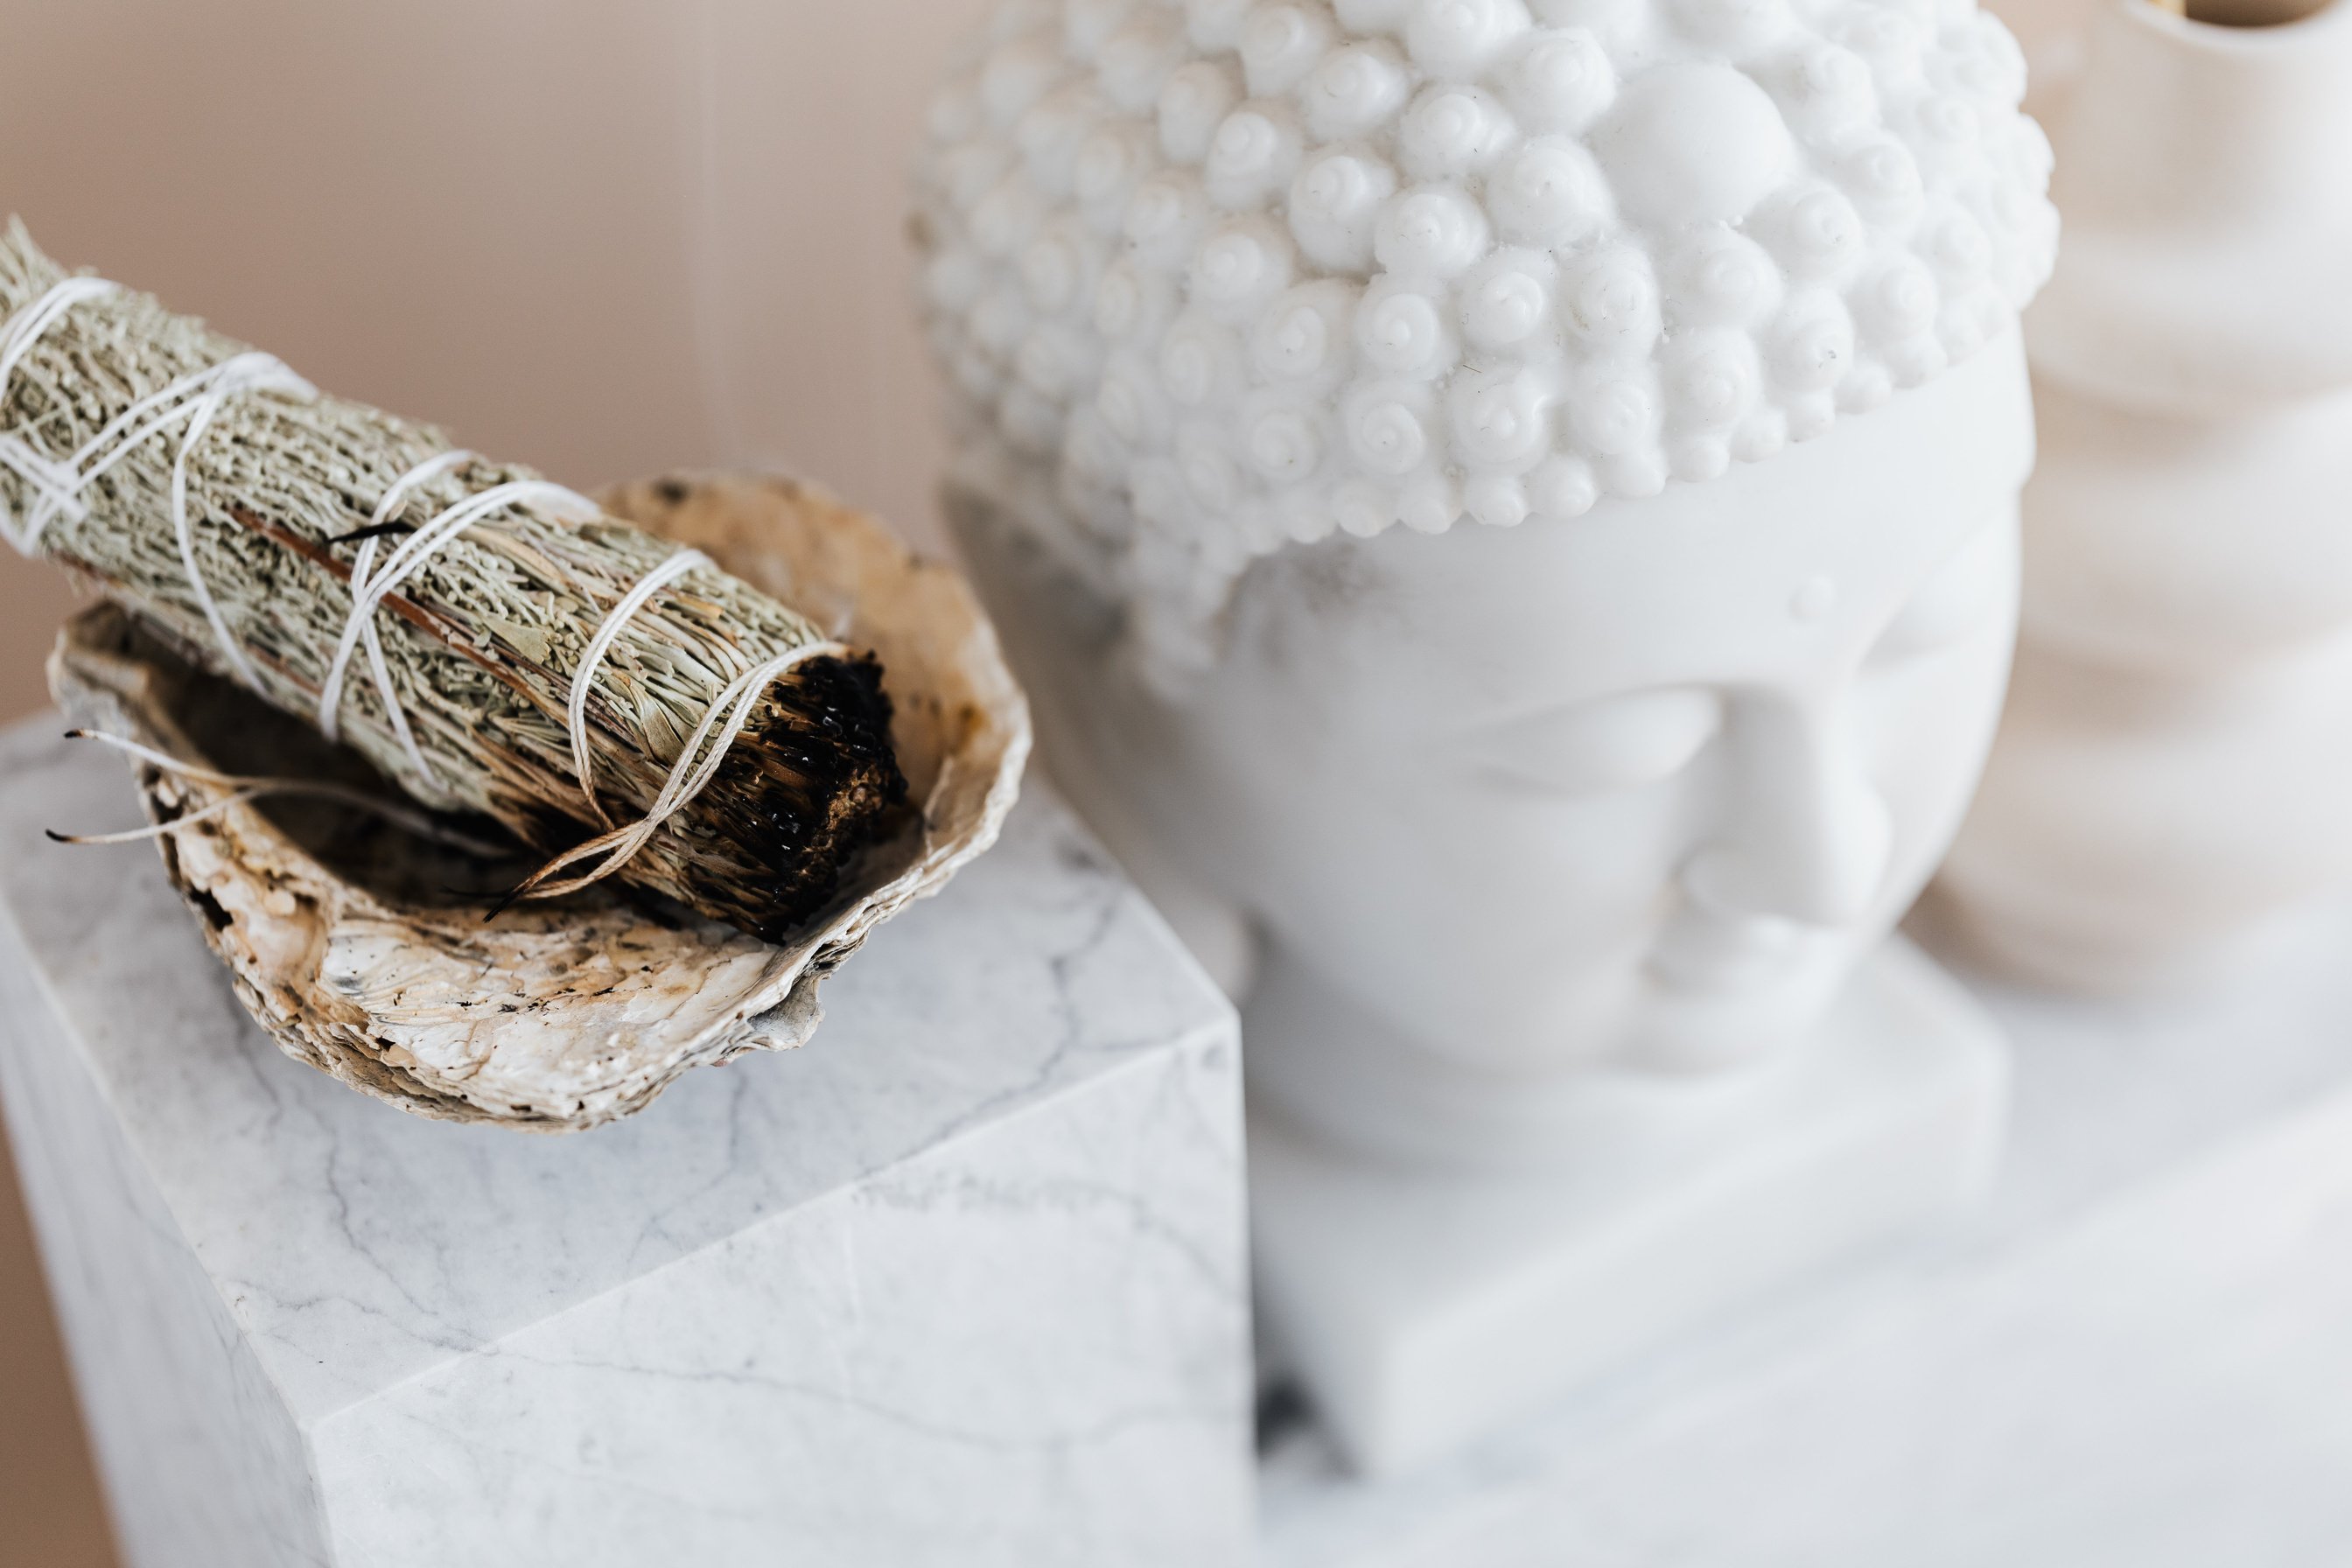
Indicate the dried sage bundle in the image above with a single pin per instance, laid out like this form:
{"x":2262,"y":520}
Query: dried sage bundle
{"x":736,"y":756}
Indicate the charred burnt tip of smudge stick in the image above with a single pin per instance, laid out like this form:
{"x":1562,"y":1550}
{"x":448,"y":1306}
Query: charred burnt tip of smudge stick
{"x":812,"y":780}
{"x":812,"y":783}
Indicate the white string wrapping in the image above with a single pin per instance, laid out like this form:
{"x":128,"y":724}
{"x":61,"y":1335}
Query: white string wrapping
{"x":687,"y":778}
{"x":52,"y":487}
{"x":419,"y":547}
{"x":51,"y":481}
{"x":198,"y":398}
{"x":26,"y":327}
{"x":240,"y":374}
{"x":93,"y":462}
{"x":616,"y":620}
{"x":249,"y":787}
{"x":330,"y":716}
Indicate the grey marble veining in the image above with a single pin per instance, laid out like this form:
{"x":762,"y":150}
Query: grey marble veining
{"x":962,"y":1282}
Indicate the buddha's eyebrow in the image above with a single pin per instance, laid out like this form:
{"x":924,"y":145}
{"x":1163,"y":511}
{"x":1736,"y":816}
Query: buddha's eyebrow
{"x":1972,"y":584}
{"x":1533,"y":711}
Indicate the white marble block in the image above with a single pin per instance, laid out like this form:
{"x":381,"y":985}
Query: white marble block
{"x":961,"y":1282}
{"x":1424,"y":1310}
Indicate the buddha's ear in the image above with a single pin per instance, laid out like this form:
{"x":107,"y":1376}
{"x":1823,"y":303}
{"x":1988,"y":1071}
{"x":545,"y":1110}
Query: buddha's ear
{"x":1963,"y":595}
{"x":1280,"y":602}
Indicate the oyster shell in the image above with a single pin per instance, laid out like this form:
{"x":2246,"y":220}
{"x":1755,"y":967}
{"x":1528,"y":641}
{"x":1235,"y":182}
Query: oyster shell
{"x":364,"y":952}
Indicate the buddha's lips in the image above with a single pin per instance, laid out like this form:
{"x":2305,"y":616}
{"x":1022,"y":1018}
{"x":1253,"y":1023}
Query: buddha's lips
{"x":1703,"y":952}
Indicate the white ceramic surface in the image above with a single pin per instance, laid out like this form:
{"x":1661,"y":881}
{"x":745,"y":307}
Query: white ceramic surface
{"x":1680,"y":340}
{"x":2171,"y":774}
{"x":962,"y":1284}
{"x":2136,"y":1356}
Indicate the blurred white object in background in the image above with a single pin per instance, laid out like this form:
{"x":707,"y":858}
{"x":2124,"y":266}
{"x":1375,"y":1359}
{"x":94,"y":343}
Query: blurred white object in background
{"x":1514,"y":528}
{"x":2174,"y":766}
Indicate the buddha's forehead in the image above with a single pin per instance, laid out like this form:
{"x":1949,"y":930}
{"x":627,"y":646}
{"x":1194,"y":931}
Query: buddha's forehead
{"x":1634,"y":599}
{"x":1781,"y":573}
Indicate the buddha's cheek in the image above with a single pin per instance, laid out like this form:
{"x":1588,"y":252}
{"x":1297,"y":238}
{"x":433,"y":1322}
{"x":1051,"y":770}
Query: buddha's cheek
{"x":1510,"y":931}
{"x":1928,"y":729}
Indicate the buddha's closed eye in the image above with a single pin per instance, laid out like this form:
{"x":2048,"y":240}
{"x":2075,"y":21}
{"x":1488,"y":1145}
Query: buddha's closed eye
{"x":1616,"y":742}
{"x":1961,"y":598}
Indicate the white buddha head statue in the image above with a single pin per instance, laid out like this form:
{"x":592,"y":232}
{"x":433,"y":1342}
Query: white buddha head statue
{"x":1514,"y":497}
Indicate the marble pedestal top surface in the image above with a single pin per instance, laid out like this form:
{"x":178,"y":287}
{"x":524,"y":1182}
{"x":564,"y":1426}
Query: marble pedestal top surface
{"x":962,"y":1281}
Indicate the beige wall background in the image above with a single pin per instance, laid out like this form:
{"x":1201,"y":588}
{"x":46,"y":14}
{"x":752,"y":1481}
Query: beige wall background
{"x":603,"y":236}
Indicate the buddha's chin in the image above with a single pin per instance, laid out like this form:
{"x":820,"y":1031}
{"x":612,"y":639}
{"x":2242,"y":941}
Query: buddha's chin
{"x":1683,"y":1029}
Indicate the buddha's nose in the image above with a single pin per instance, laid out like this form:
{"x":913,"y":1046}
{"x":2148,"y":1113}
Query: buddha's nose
{"x":1806,"y":835}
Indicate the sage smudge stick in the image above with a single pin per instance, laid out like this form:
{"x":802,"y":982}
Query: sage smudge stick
{"x":231,"y":509}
